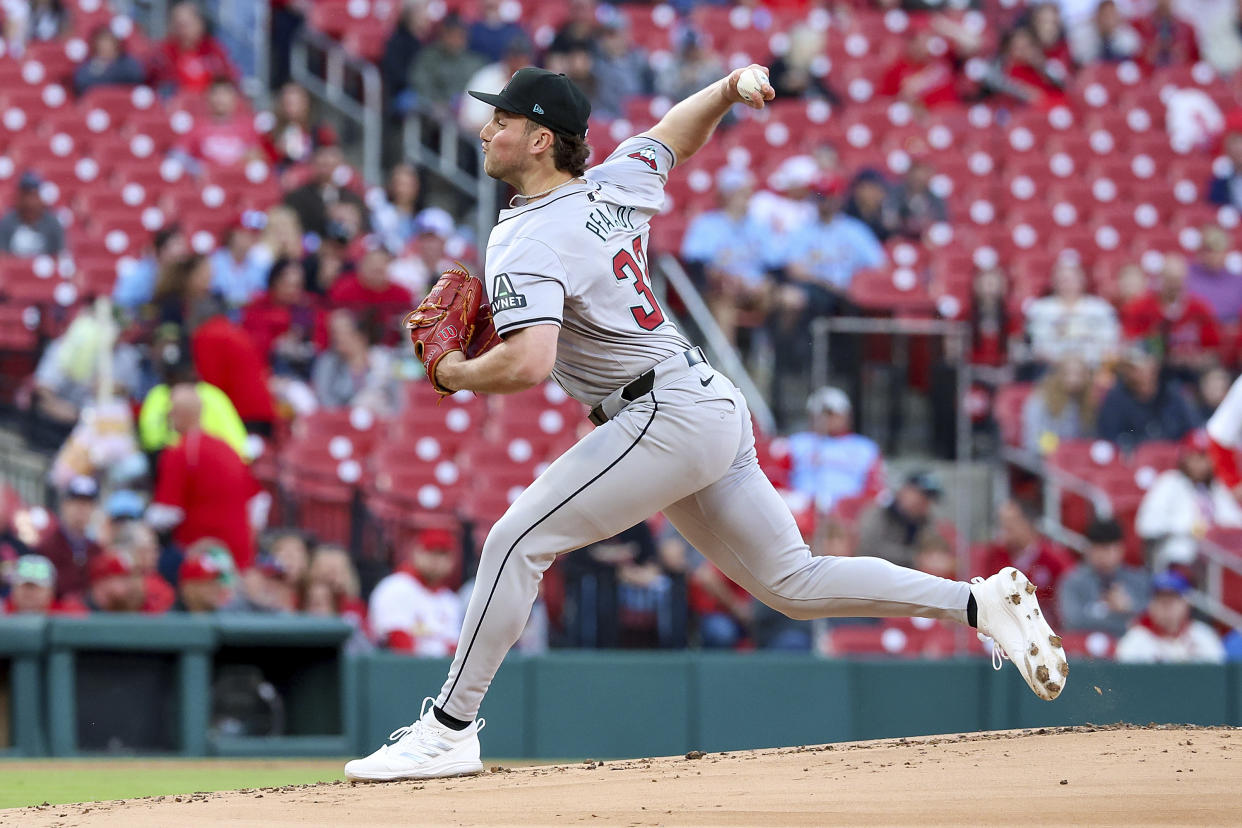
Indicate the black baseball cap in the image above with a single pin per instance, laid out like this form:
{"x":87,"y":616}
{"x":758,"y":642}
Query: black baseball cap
{"x":544,"y":97}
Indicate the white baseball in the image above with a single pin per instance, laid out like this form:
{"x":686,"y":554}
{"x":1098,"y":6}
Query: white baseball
{"x":750,"y":83}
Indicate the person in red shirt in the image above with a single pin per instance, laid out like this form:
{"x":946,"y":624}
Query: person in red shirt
{"x":724,"y":609}
{"x":1167,"y":41}
{"x":202,"y":488}
{"x":1186,"y":327}
{"x":116,"y":585}
{"x":189,"y":57}
{"x":282,"y":321}
{"x":68,"y":547}
{"x":371,"y":290}
{"x":226,"y":137}
{"x":1019,"y":544}
{"x":1026,"y":73}
{"x":925,"y":74}
{"x":225,"y":356}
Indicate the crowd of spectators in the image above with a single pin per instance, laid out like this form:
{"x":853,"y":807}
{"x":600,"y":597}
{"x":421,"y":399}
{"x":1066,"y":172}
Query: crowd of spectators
{"x":296,"y":309}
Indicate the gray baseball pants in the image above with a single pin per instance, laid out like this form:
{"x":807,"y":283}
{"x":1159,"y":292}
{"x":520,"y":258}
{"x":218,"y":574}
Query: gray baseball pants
{"x":688,"y":449}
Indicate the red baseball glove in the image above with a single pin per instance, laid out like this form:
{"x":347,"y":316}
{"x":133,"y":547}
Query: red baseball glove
{"x":453,"y":317}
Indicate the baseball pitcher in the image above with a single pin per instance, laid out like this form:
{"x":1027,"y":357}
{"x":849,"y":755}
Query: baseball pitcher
{"x":568,"y":294}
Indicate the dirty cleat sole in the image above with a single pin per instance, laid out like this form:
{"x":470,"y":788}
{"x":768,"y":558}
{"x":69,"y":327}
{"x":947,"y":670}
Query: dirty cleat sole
{"x":1009,"y":613}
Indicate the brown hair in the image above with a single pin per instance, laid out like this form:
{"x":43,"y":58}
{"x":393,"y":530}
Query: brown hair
{"x":1057,"y":396}
{"x":569,"y":152}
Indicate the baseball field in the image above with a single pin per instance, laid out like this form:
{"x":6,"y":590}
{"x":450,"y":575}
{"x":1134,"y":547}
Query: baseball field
{"x":1116,"y":775}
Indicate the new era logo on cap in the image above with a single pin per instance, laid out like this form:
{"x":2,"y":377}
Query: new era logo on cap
{"x":537,"y":109}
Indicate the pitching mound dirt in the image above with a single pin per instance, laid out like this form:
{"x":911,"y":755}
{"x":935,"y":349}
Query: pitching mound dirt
{"x":1099,"y":776}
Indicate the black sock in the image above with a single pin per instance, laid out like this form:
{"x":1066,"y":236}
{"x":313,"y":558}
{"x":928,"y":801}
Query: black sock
{"x":972,"y":611}
{"x":451,"y":723}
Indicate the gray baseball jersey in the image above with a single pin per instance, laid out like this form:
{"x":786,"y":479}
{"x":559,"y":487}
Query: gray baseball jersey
{"x":577,"y":258}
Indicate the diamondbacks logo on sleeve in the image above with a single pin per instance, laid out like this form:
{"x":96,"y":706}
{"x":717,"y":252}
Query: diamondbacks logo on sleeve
{"x":504,"y":297}
{"x":646,"y":155}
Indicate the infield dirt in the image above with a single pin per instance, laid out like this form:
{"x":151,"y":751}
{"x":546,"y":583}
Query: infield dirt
{"x":1066,"y":776}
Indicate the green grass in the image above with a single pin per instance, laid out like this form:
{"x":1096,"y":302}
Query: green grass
{"x":35,"y":781}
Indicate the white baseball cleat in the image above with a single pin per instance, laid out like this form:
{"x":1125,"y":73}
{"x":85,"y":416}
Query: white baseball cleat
{"x":425,"y":749}
{"x":1009,"y":614}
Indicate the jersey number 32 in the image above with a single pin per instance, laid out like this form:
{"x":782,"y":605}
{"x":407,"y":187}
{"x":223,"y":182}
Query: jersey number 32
{"x":631,"y":266}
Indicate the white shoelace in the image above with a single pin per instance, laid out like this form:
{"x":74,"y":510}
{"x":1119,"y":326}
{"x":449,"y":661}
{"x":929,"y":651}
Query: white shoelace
{"x":415,"y":728}
{"x":998,"y":655}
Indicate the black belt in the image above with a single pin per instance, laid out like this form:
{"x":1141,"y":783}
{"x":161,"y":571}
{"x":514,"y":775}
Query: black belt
{"x":643,"y":384}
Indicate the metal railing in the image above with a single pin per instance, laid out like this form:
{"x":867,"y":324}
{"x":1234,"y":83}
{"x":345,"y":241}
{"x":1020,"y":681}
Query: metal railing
{"x":445,"y":159}
{"x":332,"y":89}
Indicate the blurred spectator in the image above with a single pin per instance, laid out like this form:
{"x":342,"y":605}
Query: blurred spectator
{"x":107,"y":65}
{"x":237,"y":274}
{"x":935,"y":556}
{"x":616,"y":593}
{"x":1212,"y":387}
{"x":225,"y":356}
{"x":136,"y":279}
{"x":830,"y":462}
{"x":786,"y":206}
{"x":1110,"y":38}
{"x":27,"y":21}
{"x":137,"y":541}
{"x":406,"y":41}
{"x":724,"y":250}
{"x":394,"y":216}
{"x":219,"y":417}
{"x":69,"y":373}
{"x":1019,"y":544}
{"x":915,"y":204}
{"x":183,"y":289}
{"x":330,"y":261}
{"x":1023,"y":71}
{"x":579,"y":31}
{"x":294,"y":133}
{"x":439,"y":73}
{"x":201,"y":584}
{"x":1132,"y":282}
{"x":1218,"y":35}
{"x":1048,"y":31}
{"x":32,"y":587}
{"x":694,"y":66}
{"x":282,"y":321}
{"x":225,"y":137}
{"x":925,"y":74}
{"x":331,"y":567}
{"x":1210,"y":278}
{"x":355,"y":370}
{"x":202,"y":488}
{"x":115,"y":585}
{"x":990,"y":324}
{"x":894,"y":530}
{"x":268,"y":586}
{"x":490,"y":33}
{"x":1167,"y":41}
{"x":428,"y":253}
{"x":621,"y":68}
{"x":1184,"y":503}
{"x":281,"y":237}
{"x":1181,"y":325}
{"x":31,"y":229}
{"x":1233,"y":645}
{"x":1062,"y":407}
{"x":1143,"y":405}
{"x":312,"y":199}
{"x":370,"y":290}
{"x":1166,"y":634}
{"x":869,"y":201}
{"x":1226,"y":186}
{"x":69,"y":546}
{"x":799,"y":72}
{"x":414,"y":610}
{"x":1070,"y":321}
{"x":1101,"y":593}
{"x":823,"y":256}
{"x":189,"y":58}
{"x":723,"y":609}
{"x":288,"y":548}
